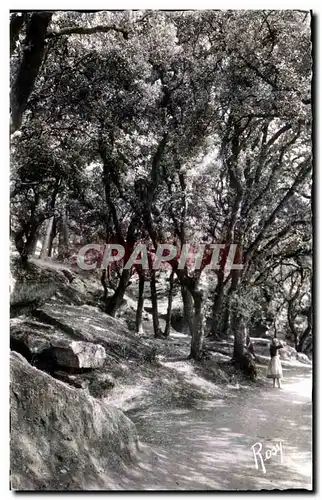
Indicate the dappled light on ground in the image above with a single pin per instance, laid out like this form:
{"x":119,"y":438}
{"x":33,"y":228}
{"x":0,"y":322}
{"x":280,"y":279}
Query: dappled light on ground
{"x":210,"y":447}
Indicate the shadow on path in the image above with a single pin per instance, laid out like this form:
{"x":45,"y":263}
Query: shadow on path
{"x":210,"y":447}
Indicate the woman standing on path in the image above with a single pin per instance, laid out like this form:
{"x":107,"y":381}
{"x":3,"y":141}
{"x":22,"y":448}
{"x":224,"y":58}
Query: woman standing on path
{"x":274,"y":369}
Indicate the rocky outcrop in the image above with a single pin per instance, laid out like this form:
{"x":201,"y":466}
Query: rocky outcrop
{"x":62,"y":438}
{"x":31,"y":337}
{"x":37,"y":282}
{"x":78,"y":354}
{"x":289,"y":353}
{"x":81,"y":346}
{"x":91,"y":325}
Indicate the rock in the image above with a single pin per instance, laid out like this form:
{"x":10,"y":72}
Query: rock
{"x":34,"y":285}
{"x":91,"y":325}
{"x":56,"y":428}
{"x":79,"y":285}
{"x":69,"y":275}
{"x":101,"y":385}
{"x":78,"y":354}
{"x":98,"y":384}
{"x":300,"y":356}
{"x":40,"y":282}
{"x":74,"y":380}
{"x":287,"y":352}
{"x":30,"y":337}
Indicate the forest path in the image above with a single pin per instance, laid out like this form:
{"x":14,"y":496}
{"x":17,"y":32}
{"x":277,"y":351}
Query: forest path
{"x":210,"y":447}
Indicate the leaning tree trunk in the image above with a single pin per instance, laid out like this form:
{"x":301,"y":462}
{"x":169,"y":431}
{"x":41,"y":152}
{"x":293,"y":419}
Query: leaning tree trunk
{"x":17,"y":21}
{"x":169,"y":310}
{"x":140,"y":304}
{"x":31,"y":59}
{"x":154,"y":300}
{"x":45,"y":245}
{"x":114,"y":303}
{"x":197,"y":341}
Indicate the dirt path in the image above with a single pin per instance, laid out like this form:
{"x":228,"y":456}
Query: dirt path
{"x":211,"y":447}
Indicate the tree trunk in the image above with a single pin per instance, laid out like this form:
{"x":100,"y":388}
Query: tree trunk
{"x":307,"y":332}
{"x":169,"y":310}
{"x":61,"y":248}
{"x":226,"y":320}
{"x":29,"y":245}
{"x":45,"y":245}
{"x":53,"y":235}
{"x":115,"y":302}
{"x":63,"y":239}
{"x":32,"y":56}
{"x":103,"y":281}
{"x":16,"y":23}
{"x":187,"y":310}
{"x":197,"y":340}
{"x":308,"y":347}
{"x":216,"y":323}
{"x":240,"y":334}
{"x":139,"y":309}
{"x":34,"y":244}
{"x":242,"y":358}
{"x":154,"y":300}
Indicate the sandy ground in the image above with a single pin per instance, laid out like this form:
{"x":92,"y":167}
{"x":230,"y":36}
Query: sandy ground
{"x":210,"y":448}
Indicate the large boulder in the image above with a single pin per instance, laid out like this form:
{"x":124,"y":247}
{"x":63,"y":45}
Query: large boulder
{"x":62,"y":438}
{"x":31,"y":337}
{"x":80,"y":345}
{"x":77,"y":354}
{"x":91,"y":325}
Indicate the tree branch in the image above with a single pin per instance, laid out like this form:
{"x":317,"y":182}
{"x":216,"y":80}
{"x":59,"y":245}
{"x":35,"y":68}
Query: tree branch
{"x":306,"y":167}
{"x":81,"y":30}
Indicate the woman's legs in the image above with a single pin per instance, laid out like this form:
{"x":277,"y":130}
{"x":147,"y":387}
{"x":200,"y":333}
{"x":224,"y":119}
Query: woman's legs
{"x":279,"y":383}
{"x":274,"y":379}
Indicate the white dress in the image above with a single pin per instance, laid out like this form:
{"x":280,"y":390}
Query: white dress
{"x":274,"y":369}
